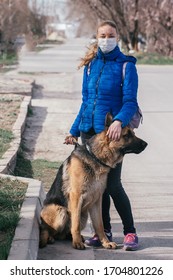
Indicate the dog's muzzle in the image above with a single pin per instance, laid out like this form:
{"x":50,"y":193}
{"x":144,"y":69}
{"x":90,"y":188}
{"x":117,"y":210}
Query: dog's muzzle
{"x":135,"y":148}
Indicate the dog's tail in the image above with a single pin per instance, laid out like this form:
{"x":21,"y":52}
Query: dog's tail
{"x":55,"y":222}
{"x":44,"y":235}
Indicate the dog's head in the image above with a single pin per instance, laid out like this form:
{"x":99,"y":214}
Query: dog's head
{"x":111,"y":152}
{"x":129,"y":142}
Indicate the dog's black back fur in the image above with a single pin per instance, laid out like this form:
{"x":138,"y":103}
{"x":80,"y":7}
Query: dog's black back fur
{"x":55,"y":194}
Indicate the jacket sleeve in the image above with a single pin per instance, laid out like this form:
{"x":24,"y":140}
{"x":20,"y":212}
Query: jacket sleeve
{"x":129,"y":90}
{"x":75,"y":126}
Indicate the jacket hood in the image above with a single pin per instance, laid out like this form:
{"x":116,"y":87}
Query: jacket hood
{"x":115,"y":54}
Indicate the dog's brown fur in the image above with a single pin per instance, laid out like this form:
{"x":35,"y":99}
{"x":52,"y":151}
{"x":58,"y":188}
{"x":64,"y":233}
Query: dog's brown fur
{"x":79,"y":185}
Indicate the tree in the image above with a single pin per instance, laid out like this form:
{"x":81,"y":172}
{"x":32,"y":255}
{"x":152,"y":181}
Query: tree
{"x":17,"y":19}
{"x":116,"y":11}
{"x":159,"y":27}
{"x":13,"y":19}
{"x":150,"y":20}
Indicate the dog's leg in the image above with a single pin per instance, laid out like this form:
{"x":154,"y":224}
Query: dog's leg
{"x":96,"y":218}
{"x":75,"y":201}
{"x":75,"y":207}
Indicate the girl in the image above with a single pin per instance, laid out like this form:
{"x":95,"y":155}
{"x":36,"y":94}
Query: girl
{"x":105,"y":90}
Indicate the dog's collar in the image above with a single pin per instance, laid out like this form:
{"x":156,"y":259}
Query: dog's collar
{"x":95,"y":158}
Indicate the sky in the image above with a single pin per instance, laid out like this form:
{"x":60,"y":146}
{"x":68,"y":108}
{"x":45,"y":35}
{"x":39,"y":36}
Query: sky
{"x":49,"y":7}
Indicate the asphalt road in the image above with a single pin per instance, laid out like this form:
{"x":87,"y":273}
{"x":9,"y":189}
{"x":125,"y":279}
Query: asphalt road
{"x":147,"y":178}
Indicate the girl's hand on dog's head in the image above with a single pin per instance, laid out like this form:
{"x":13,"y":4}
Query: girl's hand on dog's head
{"x":70,"y":139}
{"x":114,"y":131}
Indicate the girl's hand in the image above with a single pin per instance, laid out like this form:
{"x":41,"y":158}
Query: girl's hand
{"x":70,"y":139}
{"x":114,"y":131}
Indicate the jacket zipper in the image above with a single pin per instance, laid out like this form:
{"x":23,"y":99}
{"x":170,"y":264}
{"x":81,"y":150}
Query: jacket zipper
{"x":97,"y":84}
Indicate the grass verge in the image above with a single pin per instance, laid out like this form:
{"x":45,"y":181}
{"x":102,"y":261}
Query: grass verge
{"x":12,"y":194}
{"x":6,"y":137}
{"x":153,"y":59}
{"x":9,"y":108}
{"x":39,"y":169}
{"x":8,"y":59}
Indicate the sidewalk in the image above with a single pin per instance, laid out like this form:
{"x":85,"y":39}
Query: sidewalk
{"x":147,"y":178}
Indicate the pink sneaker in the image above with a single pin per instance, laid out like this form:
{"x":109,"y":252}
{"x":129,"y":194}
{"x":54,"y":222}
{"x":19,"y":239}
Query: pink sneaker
{"x":130,"y":242}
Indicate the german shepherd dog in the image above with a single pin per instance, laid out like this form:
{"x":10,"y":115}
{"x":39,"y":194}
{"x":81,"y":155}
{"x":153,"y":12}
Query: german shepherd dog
{"x":79,"y":185}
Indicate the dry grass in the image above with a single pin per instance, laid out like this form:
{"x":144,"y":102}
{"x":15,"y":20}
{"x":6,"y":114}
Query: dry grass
{"x":9,"y":108}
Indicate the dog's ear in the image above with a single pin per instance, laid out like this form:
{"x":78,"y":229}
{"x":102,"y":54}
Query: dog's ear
{"x":108,"y":120}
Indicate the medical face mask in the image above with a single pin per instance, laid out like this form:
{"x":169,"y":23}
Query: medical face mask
{"x":107,"y":44}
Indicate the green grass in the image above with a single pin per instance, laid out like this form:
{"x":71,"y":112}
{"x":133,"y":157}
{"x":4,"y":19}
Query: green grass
{"x":56,"y":42}
{"x":40,"y":48}
{"x":12,"y":194}
{"x":6,"y":100}
{"x":153,"y":59}
{"x":5,"y":139}
{"x":39,"y":169}
{"x":8,"y":59}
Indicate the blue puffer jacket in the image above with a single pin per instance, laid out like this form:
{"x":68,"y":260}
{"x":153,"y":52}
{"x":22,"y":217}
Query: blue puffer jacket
{"x":104,"y":90}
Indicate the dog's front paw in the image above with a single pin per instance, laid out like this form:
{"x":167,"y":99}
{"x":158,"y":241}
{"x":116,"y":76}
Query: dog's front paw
{"x":109,"y":245}
{"x":78,"y":245}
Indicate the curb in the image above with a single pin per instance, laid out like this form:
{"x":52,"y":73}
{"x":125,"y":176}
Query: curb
{"x":26,"y":239}
{"x":8,"y":161}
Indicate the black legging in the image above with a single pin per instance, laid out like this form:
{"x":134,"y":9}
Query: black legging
{"x":116,"y":191}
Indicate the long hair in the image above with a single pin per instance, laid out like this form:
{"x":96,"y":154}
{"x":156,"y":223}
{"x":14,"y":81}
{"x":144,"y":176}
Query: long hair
{"x":92,"y":49}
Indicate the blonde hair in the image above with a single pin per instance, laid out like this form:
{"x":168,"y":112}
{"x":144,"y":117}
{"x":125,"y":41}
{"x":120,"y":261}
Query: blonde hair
{"x":92,"y":49}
